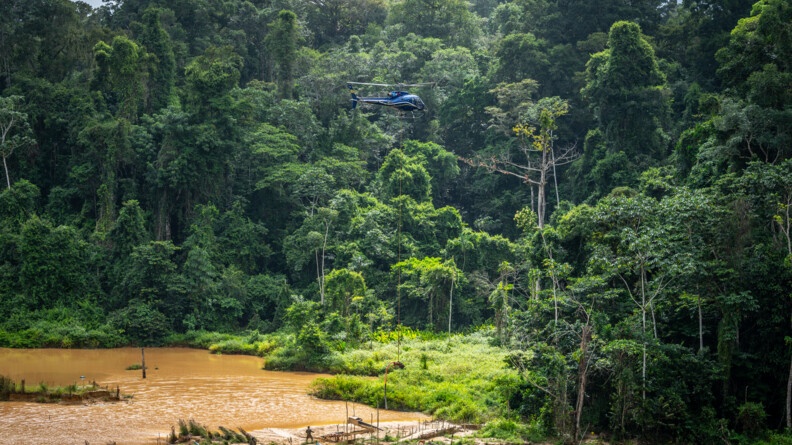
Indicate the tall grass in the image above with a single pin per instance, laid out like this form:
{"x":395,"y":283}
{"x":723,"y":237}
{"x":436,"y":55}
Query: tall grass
{"x":7,"y":387}
{"x":459,"y":378}
{"x":252,"y":343}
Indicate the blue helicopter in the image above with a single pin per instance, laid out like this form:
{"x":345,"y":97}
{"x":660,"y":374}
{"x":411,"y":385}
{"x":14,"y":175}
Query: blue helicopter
{"x":398,"y":99}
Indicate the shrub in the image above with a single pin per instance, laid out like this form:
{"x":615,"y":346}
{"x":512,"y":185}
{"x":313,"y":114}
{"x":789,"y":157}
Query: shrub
{"x":233,"y":346}
{"x":141,"y":322}
{"x":512,"y":431}
{"x":751,"y":418}
{"x":7,"y":386}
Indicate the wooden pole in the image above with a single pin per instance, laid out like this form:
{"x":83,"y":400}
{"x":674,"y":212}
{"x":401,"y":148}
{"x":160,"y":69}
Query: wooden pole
{"x":143,"y":359}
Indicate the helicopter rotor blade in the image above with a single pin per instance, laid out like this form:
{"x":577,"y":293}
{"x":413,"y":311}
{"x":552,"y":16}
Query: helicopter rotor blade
{"x":417,"y":85}
{"x":371,"y":84}
{"x":397,"y":85}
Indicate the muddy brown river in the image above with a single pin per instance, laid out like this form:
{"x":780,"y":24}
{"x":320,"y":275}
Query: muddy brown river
{"x":214,"y":390}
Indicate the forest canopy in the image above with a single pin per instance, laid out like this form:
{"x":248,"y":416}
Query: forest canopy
{"x":603,"y":187}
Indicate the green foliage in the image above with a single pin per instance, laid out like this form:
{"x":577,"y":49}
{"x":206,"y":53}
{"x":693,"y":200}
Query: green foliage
{"x":461,"y":366}
{"x":746,"y":51}
{"x":15,"y":130}
{"x":179,"y":176}
{"x":402,"y":175}
{"x":121,"y":72}
{"x":751,"y":418}
{"x":212,"y":75}
{"x":511,"y":431}
{"x":429,"y":279}
{"x":282,"y":42}
{"x":620,"y":81}
{"x":162,"y":71}
{"x":141,"y":323}
{"x":447,"y":19}
{"x":55,"y":264}
{"x":57,"y":332}
{"x":343,"y":288}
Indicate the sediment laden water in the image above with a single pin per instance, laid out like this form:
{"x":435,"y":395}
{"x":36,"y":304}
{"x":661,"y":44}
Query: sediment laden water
{"x":214,"y":390}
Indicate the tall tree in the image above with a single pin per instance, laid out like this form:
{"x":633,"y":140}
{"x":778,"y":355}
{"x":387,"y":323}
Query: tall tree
{"x":403,"y":175}
{"x":121,"y":75}
{"x":334,"y":21}
{"x":758,"y":40}
{"x":282,"y":42}
{"x":14,"y":130}
{"x":628,"y":95}
{"x":450,"y":20}
{"x":428,"y":280}
{"x":541,"y":157}
{"x":345,"y":286}
{"x":162,"y":71}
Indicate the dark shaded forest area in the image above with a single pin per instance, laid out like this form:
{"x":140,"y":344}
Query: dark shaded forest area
{"x":604,"y":186}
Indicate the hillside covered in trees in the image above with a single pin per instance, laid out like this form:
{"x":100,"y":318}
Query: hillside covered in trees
{"x":603,"y":186}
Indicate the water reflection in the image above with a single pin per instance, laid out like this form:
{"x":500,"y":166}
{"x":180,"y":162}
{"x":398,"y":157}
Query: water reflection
{"x":214,"y":390}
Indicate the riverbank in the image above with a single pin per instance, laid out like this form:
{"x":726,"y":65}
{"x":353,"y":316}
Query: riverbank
{"x":228,"y":390}
{"x":429,"y":430}
{"x":421,"y":432}
{"x":10,"y":391}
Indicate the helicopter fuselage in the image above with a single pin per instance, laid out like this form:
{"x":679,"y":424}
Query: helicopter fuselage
{"x":401,"y":100}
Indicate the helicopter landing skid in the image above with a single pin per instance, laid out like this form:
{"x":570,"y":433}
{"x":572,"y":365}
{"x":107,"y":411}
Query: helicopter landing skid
{"x":412,"y":115}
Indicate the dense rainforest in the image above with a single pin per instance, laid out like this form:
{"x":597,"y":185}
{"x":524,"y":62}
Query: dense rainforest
{"x":601,"y":189}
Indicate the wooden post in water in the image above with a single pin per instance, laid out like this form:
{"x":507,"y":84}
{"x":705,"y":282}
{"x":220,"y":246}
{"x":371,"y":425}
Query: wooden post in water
{"x":143,"y":359}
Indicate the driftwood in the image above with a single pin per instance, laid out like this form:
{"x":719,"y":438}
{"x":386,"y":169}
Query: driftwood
{"x":430,"y":434}
{"x":350,"y":435}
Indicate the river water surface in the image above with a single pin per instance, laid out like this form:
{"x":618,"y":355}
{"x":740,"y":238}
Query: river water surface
{"x":214,"y":390}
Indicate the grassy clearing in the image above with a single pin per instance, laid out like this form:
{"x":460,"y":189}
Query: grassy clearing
{"x":460,"y":378}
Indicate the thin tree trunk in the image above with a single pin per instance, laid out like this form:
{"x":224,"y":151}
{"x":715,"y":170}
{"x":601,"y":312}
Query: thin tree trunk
{"x":643,"y":331}
{"x":654,"y":320}
{"x":789,"y":398}
{"x":701,"y":325}
{"x":8,"y":178}
{"x":319,"y":275}
{"x":555,"y":176}
{"x":431,"y":304}
{"x":554,"y":278}
{"x":785,"y":228}
{"x":542,"y":189}
{"x":582,"y":378}
{"x":321,"y":270}
{"x":450,"y":305}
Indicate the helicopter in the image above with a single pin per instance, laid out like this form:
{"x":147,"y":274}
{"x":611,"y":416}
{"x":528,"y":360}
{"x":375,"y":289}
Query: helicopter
{"x":397,"y":99}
